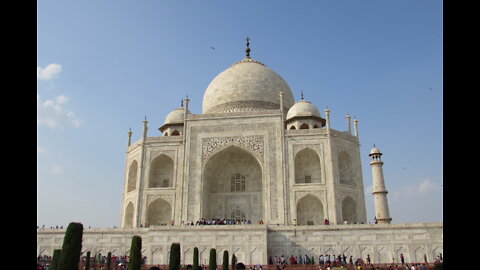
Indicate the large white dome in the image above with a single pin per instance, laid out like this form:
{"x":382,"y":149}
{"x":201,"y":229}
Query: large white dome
{"x":247,"y":85}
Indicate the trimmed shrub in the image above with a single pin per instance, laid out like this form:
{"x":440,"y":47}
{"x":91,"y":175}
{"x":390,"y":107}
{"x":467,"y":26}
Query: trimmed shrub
{"x":135,"y":259}
{"x":87,"y":261}
{"x":54,"y":265}
{"x":72,"y":246}
{"x":212,"y":262}
{"x":234,"y":261}
{"x":195,"y":258}
{"x":109,"y":260}
{"x":174,"y":263}
{"x":225,"y":260}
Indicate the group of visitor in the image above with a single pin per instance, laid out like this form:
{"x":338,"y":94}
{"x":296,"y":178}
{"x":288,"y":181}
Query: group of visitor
{"x":211,"y":221}
{"x":322,"y":259}
{"x":341,"y":261}
{"x":218,"y":221}
{"x":51,"y":227}
{"x":44,"y":262}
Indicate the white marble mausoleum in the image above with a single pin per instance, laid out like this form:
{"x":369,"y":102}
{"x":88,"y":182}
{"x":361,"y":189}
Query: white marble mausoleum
{"x":254,"y":153}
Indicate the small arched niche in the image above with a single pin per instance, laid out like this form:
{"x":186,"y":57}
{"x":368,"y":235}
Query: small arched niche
{"x":309,"y":211}
{"x":161,"y":172}
{"x":349,"y":210}
{"x":345,"y":168}
{"x":304,"y":126}
{"x":307,"y":167}
{"x":159,"y":212}
{"x":128,"y":219}
{"x":132,"y":176}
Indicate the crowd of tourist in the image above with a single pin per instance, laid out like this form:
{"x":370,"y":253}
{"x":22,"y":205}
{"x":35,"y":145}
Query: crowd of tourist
{"x":121,"y":262}
{"x":51,"y":227}
{"x":280,"y":262}
{"x":223,"y":221}
{"x":330,"y":261}
{"x":204,"y":221}
{"x":210,"y":221}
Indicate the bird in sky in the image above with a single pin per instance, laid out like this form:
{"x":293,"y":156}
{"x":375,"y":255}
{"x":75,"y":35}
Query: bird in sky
{"x":212,"y":48}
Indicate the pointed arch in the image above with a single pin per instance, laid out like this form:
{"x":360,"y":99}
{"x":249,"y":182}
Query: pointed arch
{"x":132,"y":176}
{"x":159,"y":212}
{"x":419,"y":253}
{"x":128,"y":218}
{"x":349,"y":210}
{"x":292,"y":127}
{"x":232,"y":180}
{"x":304,"y":126}
{"x":175,"y":133}
{"x":161,"y":172}
{"x":345,"y":168}
{"x":309,"y":211}
{"x":307,"y":167}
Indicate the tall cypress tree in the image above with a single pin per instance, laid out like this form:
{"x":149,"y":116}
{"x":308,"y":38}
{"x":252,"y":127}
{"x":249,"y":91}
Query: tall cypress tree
{"x":87,"y":261}
{"x":174,"y":263}
{"x":54,"y":265}
{"x":225,"y":260}
{"x":135,"y":259}
{"x":72,"y":246}
{"x":109,"y":260}
{"x":234,"y":261}
{"x":195,"y":258}
{"x":212,"y":263}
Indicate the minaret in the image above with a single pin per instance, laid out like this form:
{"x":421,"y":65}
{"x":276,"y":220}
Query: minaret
{"x":129,"y":137}
{"x":145,"y":128}
{"x":349,"y":129}
{"x":382,"y":214}
{"x":327,"y":118}
{"x":355,"y":127}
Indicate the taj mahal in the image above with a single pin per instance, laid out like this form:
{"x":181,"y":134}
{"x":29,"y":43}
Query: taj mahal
{"x":254,"y":154}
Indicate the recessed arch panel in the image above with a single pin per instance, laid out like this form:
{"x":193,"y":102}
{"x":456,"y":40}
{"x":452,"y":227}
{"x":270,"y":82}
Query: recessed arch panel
{"x":232,"y":181}
{"x":307,"y":167}
{"x":161,"y":172}
{"x":310,"y":211}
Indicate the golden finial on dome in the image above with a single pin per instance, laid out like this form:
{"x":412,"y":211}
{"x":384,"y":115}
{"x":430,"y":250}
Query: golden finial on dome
{"x":248,"y":48}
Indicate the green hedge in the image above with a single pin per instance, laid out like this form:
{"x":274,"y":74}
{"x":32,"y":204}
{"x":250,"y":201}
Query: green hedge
{"x":87,"y":261}
{"x":135,"y":259}
{"x":195,"y":258}
{"x":212,"y":263}
{"x":55,"y":263}
{"x":225,"y":260}
{"x":174,"y":263}
{"x":72,"y":246}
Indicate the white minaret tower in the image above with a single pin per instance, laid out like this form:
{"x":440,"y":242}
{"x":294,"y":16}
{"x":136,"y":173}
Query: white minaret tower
{"x":382,"y":214}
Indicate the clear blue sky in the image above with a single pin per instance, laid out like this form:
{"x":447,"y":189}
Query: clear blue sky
{"x":102,"y":66}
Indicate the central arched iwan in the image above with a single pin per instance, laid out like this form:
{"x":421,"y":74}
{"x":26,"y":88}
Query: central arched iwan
{"x":232,"y":181}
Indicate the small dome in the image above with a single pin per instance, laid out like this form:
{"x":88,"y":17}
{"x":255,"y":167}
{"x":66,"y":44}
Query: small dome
{"x":302,"y":108}
{"x":176,"y":116}
{"x":375,"y":151}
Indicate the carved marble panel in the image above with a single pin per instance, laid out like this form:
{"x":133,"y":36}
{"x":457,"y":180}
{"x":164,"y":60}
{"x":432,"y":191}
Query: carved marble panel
{"x":212,"y":145}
